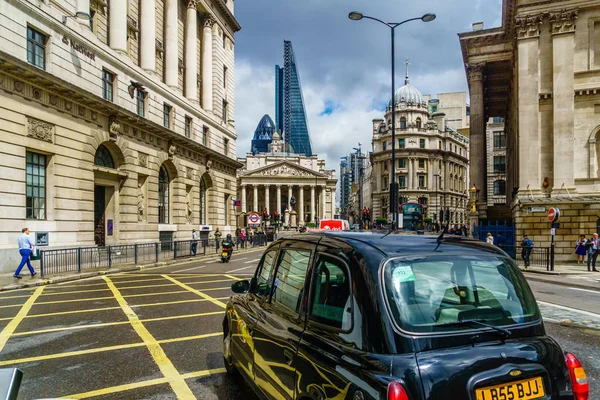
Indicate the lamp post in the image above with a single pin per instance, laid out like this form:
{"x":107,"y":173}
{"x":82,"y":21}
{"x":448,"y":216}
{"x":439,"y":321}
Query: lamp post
{"x":473,"y":216}
{"x":436,"y":177}
{"x":357,"y":16}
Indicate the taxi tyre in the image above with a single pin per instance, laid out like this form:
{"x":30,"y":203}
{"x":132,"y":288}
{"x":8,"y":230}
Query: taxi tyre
{"x":227,"y":355}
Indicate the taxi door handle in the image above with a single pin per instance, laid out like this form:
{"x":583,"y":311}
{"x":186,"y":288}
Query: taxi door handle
{"x":289,"y":356}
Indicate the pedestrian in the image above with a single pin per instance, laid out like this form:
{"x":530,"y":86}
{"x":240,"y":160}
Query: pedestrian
{"x":490,"y":238}
{"x":194,"y":242}
{"x":580,"y":249}
{"x":499,"y":240}
{"x":243,"y":237}
{"x":527,"y":246}
{"x":217,"y":237}
{"x":592,"y":252}
{"x":25,"y":247}
{"x":238,"y":232}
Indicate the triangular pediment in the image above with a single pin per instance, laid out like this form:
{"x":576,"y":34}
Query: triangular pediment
{"x":283,"y":169}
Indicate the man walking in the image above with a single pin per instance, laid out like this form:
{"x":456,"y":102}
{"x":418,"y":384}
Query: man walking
{"x":25,"y":246}
{"x":527,"y":246}
{"x":592,"y":251}
{"x":194,"y":241}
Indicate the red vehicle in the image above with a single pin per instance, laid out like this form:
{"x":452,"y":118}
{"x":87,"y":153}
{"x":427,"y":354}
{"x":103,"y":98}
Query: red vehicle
{"x":334,"y":225}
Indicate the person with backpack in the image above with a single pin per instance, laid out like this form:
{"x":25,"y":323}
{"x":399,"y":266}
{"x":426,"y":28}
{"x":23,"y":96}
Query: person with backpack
{"x":527,"y":246}
{"x":592,"y":251}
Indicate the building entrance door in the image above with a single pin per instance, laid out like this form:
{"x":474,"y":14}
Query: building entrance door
{"x":99,"y":215}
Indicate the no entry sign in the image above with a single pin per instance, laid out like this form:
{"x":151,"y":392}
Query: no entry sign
{"x":553,"y":214}
{"x":254,"y":219}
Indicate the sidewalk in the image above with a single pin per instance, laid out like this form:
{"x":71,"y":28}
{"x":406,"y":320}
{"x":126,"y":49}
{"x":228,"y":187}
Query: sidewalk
{"x":8,"y":282}
{"x":572,"y":274}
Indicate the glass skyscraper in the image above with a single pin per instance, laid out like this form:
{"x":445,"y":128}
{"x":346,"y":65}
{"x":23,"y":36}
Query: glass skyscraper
{"x":290,"y":114}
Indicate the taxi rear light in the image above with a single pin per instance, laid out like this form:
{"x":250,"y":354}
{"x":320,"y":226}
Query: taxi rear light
{"x":396,"y":391}
{"x":581,"y":389}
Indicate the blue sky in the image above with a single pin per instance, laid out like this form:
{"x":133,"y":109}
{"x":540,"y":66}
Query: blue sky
{"x":345,"y":65}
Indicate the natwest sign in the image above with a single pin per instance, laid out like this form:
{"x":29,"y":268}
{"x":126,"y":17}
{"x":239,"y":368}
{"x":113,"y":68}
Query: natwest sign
{"x":553,"y":214}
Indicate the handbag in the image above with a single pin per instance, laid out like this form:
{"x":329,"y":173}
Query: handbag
{"x":35,"y":255}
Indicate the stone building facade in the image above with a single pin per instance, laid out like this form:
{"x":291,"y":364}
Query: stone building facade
{"x":268,"y":181}
{"x":539,"y":71}
{"x":496,"y":162}
{"x":454,"y":105}
{"x":117,"y":129}
{"x":431,"y":159}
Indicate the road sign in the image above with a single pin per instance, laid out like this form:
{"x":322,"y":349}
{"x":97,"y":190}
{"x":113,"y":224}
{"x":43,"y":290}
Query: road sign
{"x":553,"y":231}
{"x":536,"y":209}
{"x":254,"y":219}
{"x":553,"y":214}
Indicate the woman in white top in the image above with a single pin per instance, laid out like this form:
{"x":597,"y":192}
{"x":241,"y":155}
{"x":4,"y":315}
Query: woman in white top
{"x":490,"y":238}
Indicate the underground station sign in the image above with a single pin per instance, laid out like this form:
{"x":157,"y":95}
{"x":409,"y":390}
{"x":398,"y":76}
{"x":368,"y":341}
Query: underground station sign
{"x":254,"y":219}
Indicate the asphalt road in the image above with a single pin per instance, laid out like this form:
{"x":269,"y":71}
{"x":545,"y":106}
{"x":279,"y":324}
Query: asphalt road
{"x":157,"y":334}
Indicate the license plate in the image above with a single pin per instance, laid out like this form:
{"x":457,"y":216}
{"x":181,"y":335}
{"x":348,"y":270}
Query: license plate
{"x":527,"y":389}
{"x":224,"y":254}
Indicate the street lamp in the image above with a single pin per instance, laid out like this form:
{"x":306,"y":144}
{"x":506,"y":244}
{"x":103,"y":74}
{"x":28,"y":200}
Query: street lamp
{"x":436,"y":177}
{"x":357,"y":16}
{"x":474,"y":195}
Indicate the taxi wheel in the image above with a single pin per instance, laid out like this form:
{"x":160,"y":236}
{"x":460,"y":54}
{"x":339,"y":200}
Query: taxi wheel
{"x":228,"y":356}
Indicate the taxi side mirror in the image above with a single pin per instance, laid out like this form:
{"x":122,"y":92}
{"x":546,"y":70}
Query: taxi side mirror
{"x":240,"y":287}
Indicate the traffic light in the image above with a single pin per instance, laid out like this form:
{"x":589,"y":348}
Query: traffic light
{"x":447,"y":215}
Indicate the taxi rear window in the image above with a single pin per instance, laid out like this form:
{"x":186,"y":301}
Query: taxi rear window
{"x":436,"y":293}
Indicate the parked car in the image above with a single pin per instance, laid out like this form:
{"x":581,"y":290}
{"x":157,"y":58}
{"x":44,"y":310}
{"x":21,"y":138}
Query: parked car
{"x":365,"y":316}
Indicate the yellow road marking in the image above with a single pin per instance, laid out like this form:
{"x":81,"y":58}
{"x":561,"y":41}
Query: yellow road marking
{"x":75,"y":291}
{"x":177,"y":383}
{"x":102,"y":349}
{"x":214,"y":288}
{"x":233,"y":277}
{"x":199,"y":293}
{"x":14,"y":297}
{"x":138,"y":385}
{"x":12,"y":325}
{"x":104,"y":324}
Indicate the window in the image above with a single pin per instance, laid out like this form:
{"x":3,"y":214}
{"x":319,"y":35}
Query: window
{"x":402,"y":143}
{"x":35,"y":199}
{"x":163,"y":195}
{"x":421,"y":181}
{"x":108,"y":80}
{"x":421,"y":163}
{"x":36,"y":48}
{"x":225,"y":110}
{"x":402,"y":163}
{"x":103,"y":158}
{"x":385,"y":184}
{"x":385,"y":145}
{"x":226,"y":146}
{"x":167,"y":109}
{"x":263,"y":278}
{"x":421,"y":143}
{"x":403,"y":199}
{"x":140,"y":100}
{"x":499,"y":164}
{"x":498,"y":120}
{"x":332,"y":295}
{"x":205,"y":135}
{"x":288,"y":287}
{"x":226,"y":210}
{"x":402,"y":123}
{"x":499,"y":140}
{"x":188,"y":127}
{"x":422,"y":201}
{"x":499,"y":187}
{"x":402,"y":181}
{"x":202,"y":202}
{"x":419,"y":124}
{"x":225,"y":77}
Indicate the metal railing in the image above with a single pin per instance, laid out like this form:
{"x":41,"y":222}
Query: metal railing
{"x":78,"y":259}
{"x":538,"y":257}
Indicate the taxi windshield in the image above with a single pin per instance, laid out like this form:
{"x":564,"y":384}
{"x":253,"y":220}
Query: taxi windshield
{"x":435,"y":293}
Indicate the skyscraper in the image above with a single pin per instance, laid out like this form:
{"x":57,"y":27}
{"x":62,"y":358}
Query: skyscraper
{"x":290,"y":113}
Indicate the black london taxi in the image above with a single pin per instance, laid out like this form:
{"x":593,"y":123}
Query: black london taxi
{"x":402,"y":317}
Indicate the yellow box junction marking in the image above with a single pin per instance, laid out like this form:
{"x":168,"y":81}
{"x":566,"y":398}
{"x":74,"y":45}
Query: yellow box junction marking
{"x":12,"y":325}
{"x":199,"y":293}
{"x":176,"y":381}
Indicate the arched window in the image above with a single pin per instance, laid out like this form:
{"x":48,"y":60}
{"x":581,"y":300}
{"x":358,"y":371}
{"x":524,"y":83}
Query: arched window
{"x":163,"y":195}
{"x":499,"y":187}
{"x":103,"y":158}
{"x":419,"y":123}
{"x":202,"y":202}
{"x":402,"y":123}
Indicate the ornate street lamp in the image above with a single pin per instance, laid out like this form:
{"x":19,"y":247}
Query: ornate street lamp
{"x":474,"y":196}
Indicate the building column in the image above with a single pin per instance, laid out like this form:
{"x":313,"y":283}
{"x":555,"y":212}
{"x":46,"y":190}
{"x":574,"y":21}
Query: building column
{"x":410,"y":178}
{"x":191,"y":52}
{"x":207,"y":67}
{"x":279,"y":199}
{"x":301,"y":204}
{"x":563,"y":45}
{"x":171,"y":57}
{"x":255,"y":199}
{"x":477,"y":148}
{"x":415,"y":164}
{"x":333,"y":202}
{"x":148,"y":35}
{"x":429,"y":174}
{"x":312,"y":203}
{"x":244,"y":208}
{"x":267,"y":199}
{"x":324,"y":200}
{"x":117,"y":18}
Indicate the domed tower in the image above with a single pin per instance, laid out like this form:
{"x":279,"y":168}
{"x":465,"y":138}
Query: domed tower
{"x":411,"y":107}
{"x":263,"y":135}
